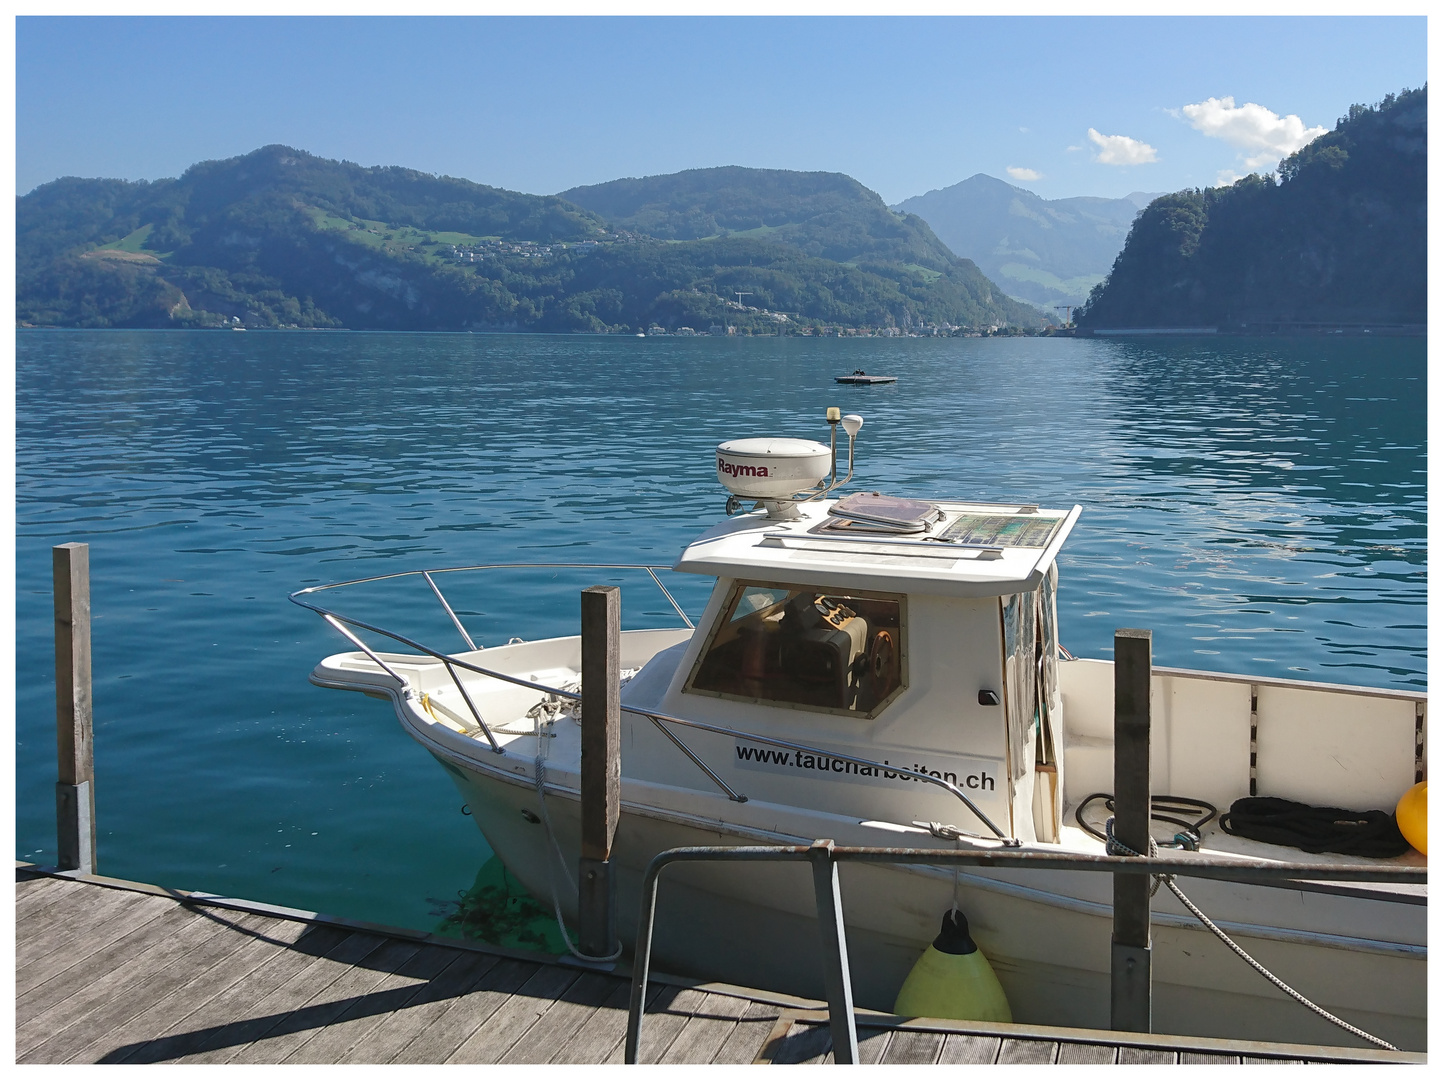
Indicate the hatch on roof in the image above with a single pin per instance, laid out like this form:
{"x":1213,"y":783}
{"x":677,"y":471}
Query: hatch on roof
{"x":873,"y":511}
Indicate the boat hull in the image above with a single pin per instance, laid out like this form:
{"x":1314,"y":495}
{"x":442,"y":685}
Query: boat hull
{"x":755,"y":925}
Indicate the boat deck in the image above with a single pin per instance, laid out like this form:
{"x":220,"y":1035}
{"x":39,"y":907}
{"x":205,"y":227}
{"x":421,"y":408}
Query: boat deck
{"x":113,"y":971}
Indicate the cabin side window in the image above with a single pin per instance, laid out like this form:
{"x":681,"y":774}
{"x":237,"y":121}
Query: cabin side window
{"x":828,"y":651}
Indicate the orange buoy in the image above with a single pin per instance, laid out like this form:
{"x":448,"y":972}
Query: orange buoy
{"x":1412,"y":815}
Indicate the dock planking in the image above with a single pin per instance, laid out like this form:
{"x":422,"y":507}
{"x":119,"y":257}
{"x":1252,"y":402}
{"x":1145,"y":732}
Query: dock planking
{"x":803,"y":1038}
{"x":113,"y":972}
{"x":112,"y":975}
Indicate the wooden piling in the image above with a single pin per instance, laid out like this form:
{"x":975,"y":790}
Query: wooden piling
{"x":600,"y":765}
{"x":1132,"y":808}
{"x":74,"y":718}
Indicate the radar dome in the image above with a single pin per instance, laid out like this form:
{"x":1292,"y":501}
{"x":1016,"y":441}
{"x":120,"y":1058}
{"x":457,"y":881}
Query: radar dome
{"x":772,"y":468}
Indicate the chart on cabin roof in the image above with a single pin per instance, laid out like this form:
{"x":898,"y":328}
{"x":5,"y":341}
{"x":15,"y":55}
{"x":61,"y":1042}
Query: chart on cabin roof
{"x":1001,"y":530}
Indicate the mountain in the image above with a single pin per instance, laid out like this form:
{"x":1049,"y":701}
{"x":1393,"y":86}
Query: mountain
{"x":1339,"y":236}
{"x":1044,"y":251}
{"x":820,"y":214}
{"x":279,"y":237}
{"x":827,"y":215}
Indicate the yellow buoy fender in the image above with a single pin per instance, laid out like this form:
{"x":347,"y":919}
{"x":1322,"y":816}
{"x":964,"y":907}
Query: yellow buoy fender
{"x":1412,"y":815}
{"x":953,"y":980}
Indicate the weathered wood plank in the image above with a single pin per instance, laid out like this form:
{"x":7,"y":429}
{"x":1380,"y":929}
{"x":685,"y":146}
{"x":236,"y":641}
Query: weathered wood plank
{"x":396,"y":1031}
{"x":48,"y":980}
{"x":307,"y":980}
{"x":117,"y":995}
{"x":260,"y":938}
{"x":969,"y":1050}
{"x":63,"y":929}
{"x":913,"y":1048}
{"x":605,"y":1030}
{"x":1195,"y":1057}
{"x":746,"y":1040}
{"x":489,"y":1042}
{"x":327,"y":1004}
{"x":1070,"y":1053}
{"x":665,"y":1016}
{"x":393,"y":993}
{"x":1140,"y":1055}
{"x":212,"y":952}
{"x":872,"y":1044}
{"x":563,"y":1020}
{"x":270,"y":963}
{"x":35,"y":891}
{"x":714,"y":1019}
{"x":1027,"y":1052}
{"x":805,"y":1043}
{"x":453,"y":1024}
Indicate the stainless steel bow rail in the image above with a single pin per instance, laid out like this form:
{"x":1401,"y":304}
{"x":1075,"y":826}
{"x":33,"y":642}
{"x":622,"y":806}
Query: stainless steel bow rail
{"x":824,"y":856}
{"x":340,"y":623}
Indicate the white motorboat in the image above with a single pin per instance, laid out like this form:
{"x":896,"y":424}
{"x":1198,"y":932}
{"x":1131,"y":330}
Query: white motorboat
{"x":883,"y":671}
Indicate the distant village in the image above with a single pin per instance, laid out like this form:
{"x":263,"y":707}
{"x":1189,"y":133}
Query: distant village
{"x":813,"y":330}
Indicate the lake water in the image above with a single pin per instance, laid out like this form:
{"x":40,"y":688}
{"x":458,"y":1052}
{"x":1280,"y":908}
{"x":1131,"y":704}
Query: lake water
{"x":1259,"y":504}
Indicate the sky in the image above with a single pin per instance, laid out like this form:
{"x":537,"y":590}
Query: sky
{"x":1100,"y":106}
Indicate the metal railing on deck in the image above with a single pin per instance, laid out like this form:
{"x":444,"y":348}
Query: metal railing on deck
{"x":452,"y":663}
{"x":824,"y":856}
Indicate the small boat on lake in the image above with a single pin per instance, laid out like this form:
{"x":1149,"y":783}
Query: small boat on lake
{"x":861,"y":378}
{"x":885,"y":671}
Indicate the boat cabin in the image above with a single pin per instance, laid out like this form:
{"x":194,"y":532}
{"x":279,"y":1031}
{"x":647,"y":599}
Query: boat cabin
{"x":873,"y":640}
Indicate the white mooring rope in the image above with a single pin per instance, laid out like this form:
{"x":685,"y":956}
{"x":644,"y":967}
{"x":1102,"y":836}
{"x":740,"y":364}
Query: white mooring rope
{"x":1117,"y":847}
{"x":540,"y":774}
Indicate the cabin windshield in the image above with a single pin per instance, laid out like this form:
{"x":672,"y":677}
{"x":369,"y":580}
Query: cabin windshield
{"x":800,"y":647}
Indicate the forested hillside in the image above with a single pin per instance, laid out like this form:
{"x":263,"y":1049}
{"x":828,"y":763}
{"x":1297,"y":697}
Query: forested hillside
{"x":282,"y":238}
{"x":1339,"y":236}
{"x":823,"y":215}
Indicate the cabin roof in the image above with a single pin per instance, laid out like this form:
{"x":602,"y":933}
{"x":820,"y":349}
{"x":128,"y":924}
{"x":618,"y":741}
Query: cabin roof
{"x":975,"y":549}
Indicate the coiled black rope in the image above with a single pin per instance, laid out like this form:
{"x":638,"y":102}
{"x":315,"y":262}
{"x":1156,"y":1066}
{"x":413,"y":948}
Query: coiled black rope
{"x":1315,"y":829}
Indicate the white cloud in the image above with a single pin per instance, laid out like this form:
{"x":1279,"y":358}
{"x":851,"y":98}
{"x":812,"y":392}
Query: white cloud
{"x":1017,"y":172}
{"x":1227,"y":178}
{"x":1121,"y":150}
{"x":1262,"y":136}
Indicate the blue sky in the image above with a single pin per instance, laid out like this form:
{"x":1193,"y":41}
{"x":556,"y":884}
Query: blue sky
{"x":905,"y":105}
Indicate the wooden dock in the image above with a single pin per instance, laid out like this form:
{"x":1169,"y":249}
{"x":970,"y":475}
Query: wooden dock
{"x":111,"y":971}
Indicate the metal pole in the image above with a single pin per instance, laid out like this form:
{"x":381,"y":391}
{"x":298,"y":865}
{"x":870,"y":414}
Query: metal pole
{"x":600,"y":766}
{"x":1131,"y":902}
{"x":838,"y":976}
{"x":641,"y":962}
{"x":74,"y":718}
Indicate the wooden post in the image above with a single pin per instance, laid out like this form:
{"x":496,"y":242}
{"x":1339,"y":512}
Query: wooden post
{"x":600,"y":766}
{"x":1131,"y":904}
{"x":74,"y":720}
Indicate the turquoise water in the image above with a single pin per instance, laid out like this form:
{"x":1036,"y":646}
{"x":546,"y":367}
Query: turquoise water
{"x":1259,"y":504}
